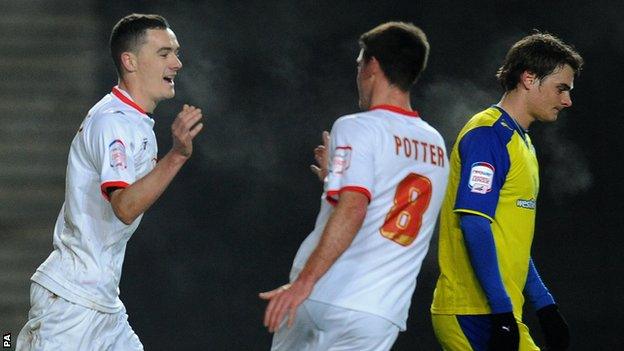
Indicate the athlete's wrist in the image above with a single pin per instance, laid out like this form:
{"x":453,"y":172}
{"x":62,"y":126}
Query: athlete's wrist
{"x":305,"y":280}
{"x":177,"y":157}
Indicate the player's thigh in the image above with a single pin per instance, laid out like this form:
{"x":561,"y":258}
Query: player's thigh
{"x":57,"y":324}
{"x":116,"y":333}
{"x":43,"y":317}
{"x":303,"y":335}
{"x":472,"y":332}
{"x":365,"y":332}
{"x":478,"y":329}
{"x":322,"y":327}
{"x":108,"y":331}
{"x":449,"y":333}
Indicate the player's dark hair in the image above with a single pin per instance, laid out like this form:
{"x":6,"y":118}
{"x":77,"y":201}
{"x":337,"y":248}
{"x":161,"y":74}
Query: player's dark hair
{"x":400,"y":48}
{"x":129,"y":34}
{"x":540,"y":54}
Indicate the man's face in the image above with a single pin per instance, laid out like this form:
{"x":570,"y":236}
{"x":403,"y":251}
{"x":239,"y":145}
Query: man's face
{"x":364,"y":81}
{"x":158,"y":64}
{"x":551,"y":94}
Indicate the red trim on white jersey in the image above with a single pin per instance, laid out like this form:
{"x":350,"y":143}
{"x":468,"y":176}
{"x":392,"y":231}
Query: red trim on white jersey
{"x":357,"y":189}
{"x":104,"y":187}
{"x":396,"y":109}
{"x":126,"y":100}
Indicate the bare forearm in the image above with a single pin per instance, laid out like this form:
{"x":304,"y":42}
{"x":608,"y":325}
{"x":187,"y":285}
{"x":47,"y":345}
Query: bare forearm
{"x":131,"y":202}
{"x":341,"y":228}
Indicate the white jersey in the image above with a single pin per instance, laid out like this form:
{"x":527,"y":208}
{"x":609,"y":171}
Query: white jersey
{"x":114,"y":147}
{"x":399,"y":162}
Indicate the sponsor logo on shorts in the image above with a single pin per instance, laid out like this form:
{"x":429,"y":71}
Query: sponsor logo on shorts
{"x":481,"y":177}
{"x":117,"y":151}
{"x":341,"y":160}
{"x":528,"y":204}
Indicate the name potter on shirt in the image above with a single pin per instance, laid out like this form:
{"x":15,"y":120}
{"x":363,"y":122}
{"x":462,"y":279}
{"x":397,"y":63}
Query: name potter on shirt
{"x":419,"y":150}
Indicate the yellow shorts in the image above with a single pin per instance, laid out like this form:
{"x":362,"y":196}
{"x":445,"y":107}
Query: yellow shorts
{"x":466,"y":333}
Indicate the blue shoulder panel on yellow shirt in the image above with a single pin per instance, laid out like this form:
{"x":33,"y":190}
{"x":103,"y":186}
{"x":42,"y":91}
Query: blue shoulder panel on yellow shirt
{"x":485,"y":163}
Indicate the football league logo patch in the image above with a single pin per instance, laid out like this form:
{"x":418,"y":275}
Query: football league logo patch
{"x":117,"y":152}
{"x":341,"y":160}
{"x":481,"y":177}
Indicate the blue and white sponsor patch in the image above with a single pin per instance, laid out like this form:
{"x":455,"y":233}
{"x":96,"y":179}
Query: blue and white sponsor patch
{"x":117,"y":152}
{"x":481,"y":177}
{"x":528,"y":204}
{"x":341,"y":160}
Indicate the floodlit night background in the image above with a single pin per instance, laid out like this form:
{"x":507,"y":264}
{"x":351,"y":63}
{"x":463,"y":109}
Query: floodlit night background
{"x":270,"y":76}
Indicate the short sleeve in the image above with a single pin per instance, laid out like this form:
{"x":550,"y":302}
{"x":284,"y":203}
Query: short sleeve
{"x":111,"y":145}
{"x":351,"y":166}
{"x":484,"y":166}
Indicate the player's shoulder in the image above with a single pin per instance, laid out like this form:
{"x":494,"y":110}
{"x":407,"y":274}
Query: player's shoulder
{"x":354,"y":118}
{"x":428,"y":128}
{"x":108,"y":114}
{"x":110,"y":108}
{"x":489,"y":123}
{"x":359,"y":121}
{"x":485,"y":118}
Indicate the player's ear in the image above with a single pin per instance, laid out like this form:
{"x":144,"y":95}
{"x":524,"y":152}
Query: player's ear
{"x":370,"y":68}
{"x":375,"y":67}
{"x":527,"y":79}
{"x":129,"y":61}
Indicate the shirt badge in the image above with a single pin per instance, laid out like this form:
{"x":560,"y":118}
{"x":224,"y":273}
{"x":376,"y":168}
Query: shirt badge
{"x":341,"y":160}
{"x":117,"y":152}
{"x":481,"y":177}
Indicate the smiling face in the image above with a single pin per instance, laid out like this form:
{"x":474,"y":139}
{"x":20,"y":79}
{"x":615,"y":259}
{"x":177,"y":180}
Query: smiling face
{"x":551,"y":94}
{"x":157,"y":64}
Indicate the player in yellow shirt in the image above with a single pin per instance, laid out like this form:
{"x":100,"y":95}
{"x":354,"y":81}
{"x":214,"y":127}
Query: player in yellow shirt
{"x":488,"y":216}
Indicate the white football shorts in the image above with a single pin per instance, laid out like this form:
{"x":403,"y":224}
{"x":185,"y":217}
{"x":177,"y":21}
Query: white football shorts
{"x":323,"y":327}
{"x":57,"y":324}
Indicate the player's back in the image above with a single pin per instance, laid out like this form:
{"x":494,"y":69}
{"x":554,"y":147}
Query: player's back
{"x":410,"y":174}
{"x":399,"y":162}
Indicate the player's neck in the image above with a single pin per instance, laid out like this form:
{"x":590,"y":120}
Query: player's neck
{"x":137,"y":95}
{"x":514,"y":104}
{"x":391,"y":96}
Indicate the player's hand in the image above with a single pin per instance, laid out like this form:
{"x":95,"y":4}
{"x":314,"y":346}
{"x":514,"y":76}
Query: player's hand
{"x":505,"y":335}
{"x":322,"y":159}
{"x":184,"y":128}
{"x":285,"y":299}
{"x":554,"y":327}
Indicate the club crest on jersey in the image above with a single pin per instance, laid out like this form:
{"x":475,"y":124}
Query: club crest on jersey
{"x":117,"y":152}
{"x":481,"y":177}
{"x":341,"y":160}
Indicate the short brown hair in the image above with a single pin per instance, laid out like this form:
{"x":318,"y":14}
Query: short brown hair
{"x":129,"y":34}
{"x":539,"y":53}
{"x":400,"y":48}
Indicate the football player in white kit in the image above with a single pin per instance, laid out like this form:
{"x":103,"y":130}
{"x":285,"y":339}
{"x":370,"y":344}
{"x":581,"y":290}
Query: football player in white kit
{"x":353,"y":277}
{"x":112,"y":179}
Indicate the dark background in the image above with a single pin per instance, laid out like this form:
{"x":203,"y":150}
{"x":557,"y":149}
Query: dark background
{"x":271,"y":75}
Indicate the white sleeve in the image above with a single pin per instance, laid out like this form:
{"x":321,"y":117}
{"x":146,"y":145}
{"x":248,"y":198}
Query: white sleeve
{"x":111,"y":145}
{"x":351,"y":152}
